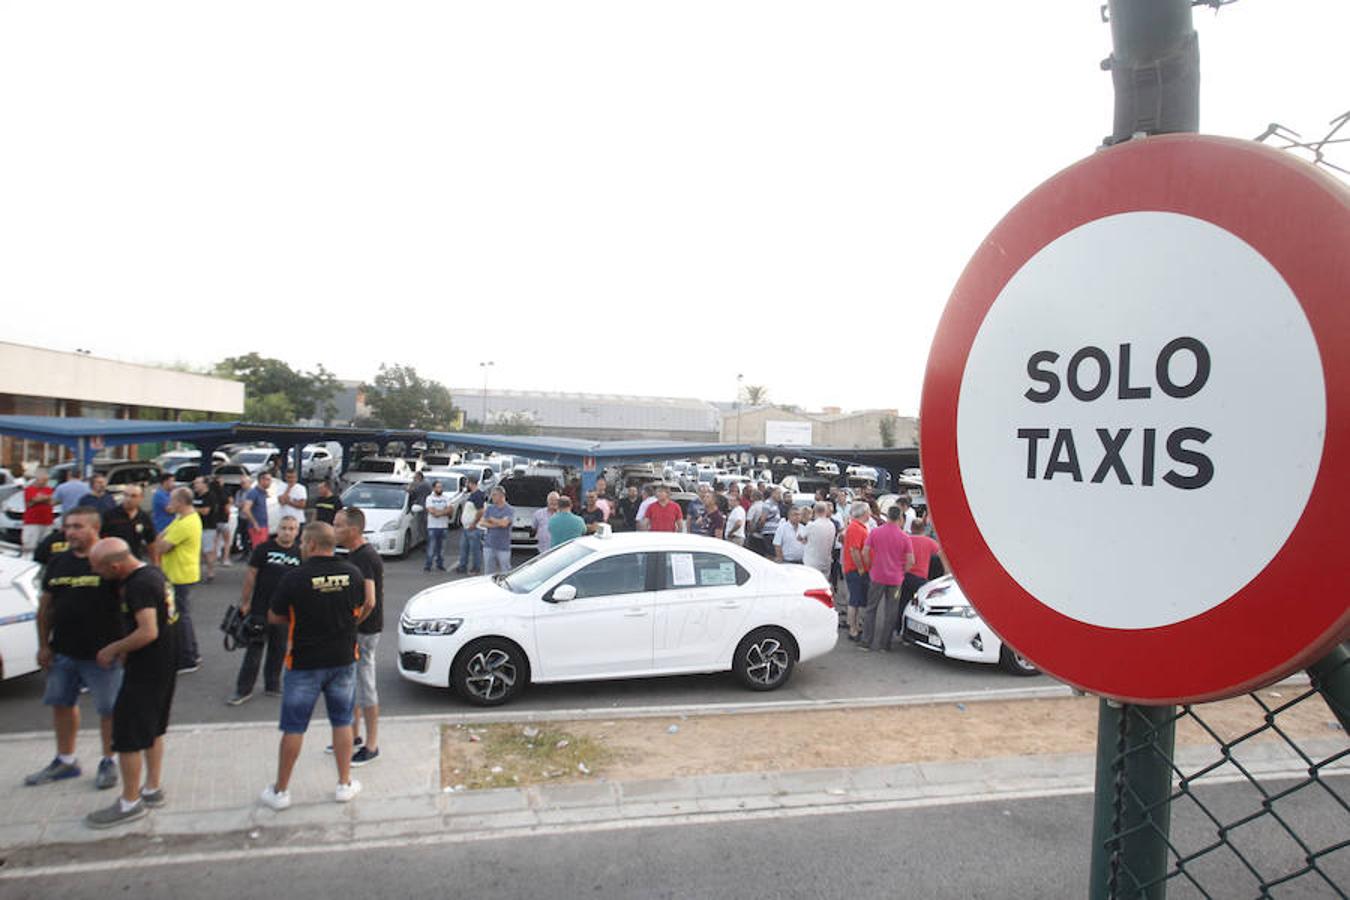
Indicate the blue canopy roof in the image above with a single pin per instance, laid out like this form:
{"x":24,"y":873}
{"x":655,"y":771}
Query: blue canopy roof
{"x":111,"y":432}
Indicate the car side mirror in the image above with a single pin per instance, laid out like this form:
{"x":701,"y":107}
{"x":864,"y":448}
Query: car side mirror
{"x":564,"y":592}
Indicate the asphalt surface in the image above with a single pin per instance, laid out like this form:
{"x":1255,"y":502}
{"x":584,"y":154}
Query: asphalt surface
{"x":843,"y":674}
{"x":1036,"y":847}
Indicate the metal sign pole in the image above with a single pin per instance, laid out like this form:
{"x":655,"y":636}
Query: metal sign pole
{"x":1155,"y":70}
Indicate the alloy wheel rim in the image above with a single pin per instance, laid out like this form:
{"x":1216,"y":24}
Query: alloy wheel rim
{"x":766,"y":661}
{"x":490,"y":674}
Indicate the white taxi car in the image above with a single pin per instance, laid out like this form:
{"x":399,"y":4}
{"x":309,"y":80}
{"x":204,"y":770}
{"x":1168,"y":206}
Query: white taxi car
{"x":941,"y":619}
{"x":618,"y":606}
{"x":393,"y":527}
{"x":19,"y":592}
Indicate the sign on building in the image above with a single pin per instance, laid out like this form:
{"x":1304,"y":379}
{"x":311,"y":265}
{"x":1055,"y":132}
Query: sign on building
{"x":788,"y":433}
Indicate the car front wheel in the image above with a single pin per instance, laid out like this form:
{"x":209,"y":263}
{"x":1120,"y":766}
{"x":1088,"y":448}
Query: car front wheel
{"x":764,"y":659}
{"x":489,"y":672}
{"x":1012,"y":661}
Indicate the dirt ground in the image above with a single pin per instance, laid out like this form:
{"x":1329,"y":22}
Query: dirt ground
{"x":634,"y":749}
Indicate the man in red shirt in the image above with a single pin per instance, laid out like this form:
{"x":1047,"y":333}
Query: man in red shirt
{"x":37,"y":513}
{"x":855,"y":566}
{"x":925,"y":548}
{"x":664,"y":514}
{"x":888,"y":554}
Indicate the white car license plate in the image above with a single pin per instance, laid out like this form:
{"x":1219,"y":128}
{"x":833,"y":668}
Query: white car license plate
{"x":917,"y":627}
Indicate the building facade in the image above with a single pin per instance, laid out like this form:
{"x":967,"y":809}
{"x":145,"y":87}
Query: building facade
{"x":831,"y":427}
{"x":35,"y":381}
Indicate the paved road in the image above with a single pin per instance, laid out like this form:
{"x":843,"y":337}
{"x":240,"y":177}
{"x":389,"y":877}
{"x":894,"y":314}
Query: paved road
{"x":1038,"y":847}
{"x":845,"y":673}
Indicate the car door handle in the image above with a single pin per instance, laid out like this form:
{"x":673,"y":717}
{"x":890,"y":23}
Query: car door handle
{"x":635,"y":613}
{"x":729,"y":604}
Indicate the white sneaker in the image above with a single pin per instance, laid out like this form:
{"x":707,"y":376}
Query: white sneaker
{"x":278,"y":800}
{"x":347,"y":792}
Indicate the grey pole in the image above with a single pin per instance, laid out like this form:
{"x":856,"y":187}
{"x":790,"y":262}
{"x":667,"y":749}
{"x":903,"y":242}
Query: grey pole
{"x":1155,"y":71}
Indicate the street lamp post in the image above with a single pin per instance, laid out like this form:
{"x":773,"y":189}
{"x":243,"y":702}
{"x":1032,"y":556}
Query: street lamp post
{"x":736,"y":405}
{"x":485,"y":366}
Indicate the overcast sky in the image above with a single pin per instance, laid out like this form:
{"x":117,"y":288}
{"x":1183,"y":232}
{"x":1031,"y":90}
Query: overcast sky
{"x":622,"y":197}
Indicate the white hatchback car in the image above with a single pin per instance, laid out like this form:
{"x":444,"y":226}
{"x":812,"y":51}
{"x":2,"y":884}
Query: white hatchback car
{"x":393,"y":527}
{"x":618,"y":606}
{"x":19,"y":592}
{"x":941,"y":619}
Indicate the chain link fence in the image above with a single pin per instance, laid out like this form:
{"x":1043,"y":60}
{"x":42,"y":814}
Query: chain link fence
{"x":1260,"y":810}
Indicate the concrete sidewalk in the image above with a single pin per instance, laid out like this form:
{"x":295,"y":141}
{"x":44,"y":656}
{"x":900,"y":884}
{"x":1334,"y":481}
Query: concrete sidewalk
{"x":213,"y":775}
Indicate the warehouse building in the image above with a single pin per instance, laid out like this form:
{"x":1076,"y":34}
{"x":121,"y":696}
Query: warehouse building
{"x":35,"y":381}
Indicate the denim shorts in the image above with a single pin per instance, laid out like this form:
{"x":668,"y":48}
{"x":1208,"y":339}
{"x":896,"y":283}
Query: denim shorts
{"x":857,"y":588}
{"x":300,"y":693}
{"x":66,"y":675}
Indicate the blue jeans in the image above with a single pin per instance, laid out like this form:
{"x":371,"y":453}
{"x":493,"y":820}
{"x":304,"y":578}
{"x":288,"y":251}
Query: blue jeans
{"x":300,"y":693}
{"x":470,"y":551}
{"x":435,"y":547}
{"x":498,"y":561}
{"x":66,"y":675}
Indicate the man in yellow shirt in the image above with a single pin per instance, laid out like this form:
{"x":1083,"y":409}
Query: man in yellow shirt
{"x":178,"y":551}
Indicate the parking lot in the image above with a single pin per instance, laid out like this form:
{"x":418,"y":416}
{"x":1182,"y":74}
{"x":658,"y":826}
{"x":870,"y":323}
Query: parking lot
{"x":842,"y":674}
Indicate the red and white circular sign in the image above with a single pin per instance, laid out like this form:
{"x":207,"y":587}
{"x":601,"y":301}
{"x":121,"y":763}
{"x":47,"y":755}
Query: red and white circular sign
{"x":1136,"y":420}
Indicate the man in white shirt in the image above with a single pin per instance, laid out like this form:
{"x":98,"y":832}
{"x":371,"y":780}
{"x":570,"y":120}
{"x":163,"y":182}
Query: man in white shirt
{"x":818,"y":551}
{"x":735,"y":527}
{"x":292,"y":499}
{"x":439,"y":509}
{"x":540,"y":521}
{"x":788,"y":542}
{"x":648,"y":498}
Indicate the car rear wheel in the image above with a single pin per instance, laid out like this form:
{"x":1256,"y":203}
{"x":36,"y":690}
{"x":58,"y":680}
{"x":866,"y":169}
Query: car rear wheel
{"x":1012,"y":661}
{"x":489,"y":672}
{"x":764,"y":659}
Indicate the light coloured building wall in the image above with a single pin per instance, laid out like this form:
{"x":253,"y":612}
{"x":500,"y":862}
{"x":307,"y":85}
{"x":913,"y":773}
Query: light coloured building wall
{"x":861,"y":430}
{"x":38,"y":372}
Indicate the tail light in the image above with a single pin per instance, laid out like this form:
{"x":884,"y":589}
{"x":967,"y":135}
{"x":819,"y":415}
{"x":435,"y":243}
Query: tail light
{"x":823,"y":595}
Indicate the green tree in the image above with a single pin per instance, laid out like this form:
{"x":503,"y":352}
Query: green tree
{"x":274,"y":409}
{"x":887,"y":428}
{"x":400,"y":398}
{"x":756,"y":394}
{"x":308,"y":393}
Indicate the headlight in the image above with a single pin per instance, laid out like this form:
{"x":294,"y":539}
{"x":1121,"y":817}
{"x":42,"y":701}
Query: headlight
{"x":391,"y":525}
{"x":429,"y":626}
{"x":968,"y":612}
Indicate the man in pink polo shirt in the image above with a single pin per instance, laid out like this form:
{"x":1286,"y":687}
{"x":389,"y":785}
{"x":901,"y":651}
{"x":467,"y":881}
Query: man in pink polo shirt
{"x":886,"y":555}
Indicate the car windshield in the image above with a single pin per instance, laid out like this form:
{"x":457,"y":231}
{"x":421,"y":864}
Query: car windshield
{"x":475,"y":471}
{"x":439,"y":460}
{"x":254,"y":456}
{"x":382,"y":466}
{"x":529,"y":575}
{"x":449,"y":483}
{"x":374,"y":496}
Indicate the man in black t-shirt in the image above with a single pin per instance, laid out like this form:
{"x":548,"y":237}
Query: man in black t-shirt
{"x":149,"y":658}
{"x":77,"y":615}
{"x":130,"y":523}
{"x":321,"y":601}
{"x":210,"y":509}
{"x":267,"y":563}
{"x":51,"y":545}
{"x":327,"y":504}
{"x":351,"y":524}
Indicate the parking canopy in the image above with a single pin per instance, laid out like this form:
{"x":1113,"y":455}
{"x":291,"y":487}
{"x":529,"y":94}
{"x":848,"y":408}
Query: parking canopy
{"x":94,"y":433}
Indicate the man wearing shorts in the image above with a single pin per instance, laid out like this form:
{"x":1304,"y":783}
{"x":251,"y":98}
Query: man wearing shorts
{"x":321,"y":602}
{"x":77,"y":616}
{"x":351,"y":524}
{"x":141,"y":715}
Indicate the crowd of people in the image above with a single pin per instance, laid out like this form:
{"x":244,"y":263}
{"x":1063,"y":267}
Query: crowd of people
{"x":114,"y":620}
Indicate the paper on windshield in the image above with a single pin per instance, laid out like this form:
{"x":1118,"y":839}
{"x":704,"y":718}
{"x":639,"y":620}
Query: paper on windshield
{"x":682,"y":569}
